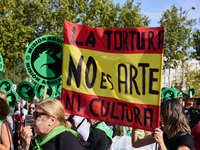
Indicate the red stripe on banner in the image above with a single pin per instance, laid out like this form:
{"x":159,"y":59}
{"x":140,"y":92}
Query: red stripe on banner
{"x":111,"y":110}
{"x":115,"y":40}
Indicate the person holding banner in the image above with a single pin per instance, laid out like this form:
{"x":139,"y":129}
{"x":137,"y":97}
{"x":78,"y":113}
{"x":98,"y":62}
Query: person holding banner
{"x":176,"y":134}
{"x":5,"y":129}
{"x":50,"y":126}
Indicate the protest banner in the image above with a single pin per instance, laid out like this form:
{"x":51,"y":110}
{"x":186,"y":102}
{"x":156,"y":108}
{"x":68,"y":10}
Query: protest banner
{"x":113,"y":74}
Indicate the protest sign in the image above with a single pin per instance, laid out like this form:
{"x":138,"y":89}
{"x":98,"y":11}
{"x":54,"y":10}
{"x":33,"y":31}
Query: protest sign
{"x":12,"y":98}
{"x":25,"y":89}
{"x":6,"y":85}
{"x":40,"y":91}
{"x":43,"y":60}
{"x":113,"y":74}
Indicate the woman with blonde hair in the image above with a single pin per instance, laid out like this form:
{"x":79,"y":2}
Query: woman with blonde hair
{"x":51,"y":128}
{"x":5,"y":129}
{"x":176,"y":131}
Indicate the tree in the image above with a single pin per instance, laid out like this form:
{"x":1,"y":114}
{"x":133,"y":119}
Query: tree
{"x":22,"y":21}
{"x":177,"y":36}
{"x":196,"y":40}
{"x":192,"y":79}
{"x":16,"y":74}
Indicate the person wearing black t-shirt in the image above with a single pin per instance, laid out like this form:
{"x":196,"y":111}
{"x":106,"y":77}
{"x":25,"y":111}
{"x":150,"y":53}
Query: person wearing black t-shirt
{"x":176,"y":131}
{"x":53,"y":133}
{"x":100,"y":137}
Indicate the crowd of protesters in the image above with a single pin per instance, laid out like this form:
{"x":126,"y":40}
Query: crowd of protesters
{"x":52,"y":128}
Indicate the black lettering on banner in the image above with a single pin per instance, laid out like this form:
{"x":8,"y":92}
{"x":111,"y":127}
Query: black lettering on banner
{"x":143,"y":65}
{"x":127,"y":115}
{"x":76,"y":72}
{"x":118,"y":41}
{"x":125,"y":37}
{"x":79,"y":103}
{"x":109,"y":77}
{"x":90,"y":105}
{"x":89,"y":62}
{"x":150,"y":117}
{"x":136,"y":114}
{"x":123,"y":105}
{"x":72,"y":38}
{"x":151,"y":80}
{"x":141,"y":47}
{"x":90,"y":39}
{"x":108,"y":38}
{"x":116,"y":112}
{"x":150,"y":37}
{"x":159,"y":38}
{"x":107,"y":108}
{"x":132,"y":38}
{"x":119,"y":77}
{"x":103,"y":80}
{"x":68,"y":102}
{"x":132,"y":79}
{"x":112,"y":112}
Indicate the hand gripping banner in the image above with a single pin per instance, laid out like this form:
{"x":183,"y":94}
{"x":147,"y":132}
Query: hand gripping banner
{"x":113,"y":74}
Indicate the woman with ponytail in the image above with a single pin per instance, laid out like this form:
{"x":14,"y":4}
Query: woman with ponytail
{"x":53,"y":132}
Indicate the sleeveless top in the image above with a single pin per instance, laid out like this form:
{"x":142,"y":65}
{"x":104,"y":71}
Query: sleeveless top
{"x":1,"y":121}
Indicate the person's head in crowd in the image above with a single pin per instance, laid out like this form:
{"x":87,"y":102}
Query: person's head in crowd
{"x":189,"y":103}
{"x":69,"y":120}
{"x":181,"y":99}
{"x":198,"y":104}
{"x":31,"y":105}
{"x":4,"y":109}
{"x":58,"y":97}
{"x":31,"y":108}
{"x":49,"y":113}
{"x":92,"y":121}
{"x":3,"y":95}
{"x":173,"y":117}
{"x":165,"y":99}
{"x":17,"y":107}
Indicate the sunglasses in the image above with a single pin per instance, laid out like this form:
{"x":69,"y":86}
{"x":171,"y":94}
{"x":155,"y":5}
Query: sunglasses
{"x":32,"y":108}
{"x":37,"y":114}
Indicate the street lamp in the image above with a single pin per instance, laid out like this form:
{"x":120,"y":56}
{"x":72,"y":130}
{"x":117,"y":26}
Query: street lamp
{"x":192,"y":8}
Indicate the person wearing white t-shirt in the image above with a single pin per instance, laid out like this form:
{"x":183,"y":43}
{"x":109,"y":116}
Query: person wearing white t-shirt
{"x":83,"y":127}
{"x":16,"y":126}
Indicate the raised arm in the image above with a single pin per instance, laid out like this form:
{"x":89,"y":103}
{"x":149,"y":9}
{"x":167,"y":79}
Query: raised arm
{"x":136,"y":142}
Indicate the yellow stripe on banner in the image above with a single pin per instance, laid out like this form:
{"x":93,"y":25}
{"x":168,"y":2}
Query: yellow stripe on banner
{"x":114,"y":75}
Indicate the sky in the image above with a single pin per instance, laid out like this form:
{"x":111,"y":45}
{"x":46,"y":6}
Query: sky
{"x":154,"y":8}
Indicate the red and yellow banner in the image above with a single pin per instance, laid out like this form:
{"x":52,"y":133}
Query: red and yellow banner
{"x":113,"y":74}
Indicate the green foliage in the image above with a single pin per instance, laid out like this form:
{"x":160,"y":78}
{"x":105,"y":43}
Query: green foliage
{"x":22,"y":21}
{"x":15,"y":74}
{"x":177,"y":36}
{"x":192,"y":79}
{"x":196,"y":40}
